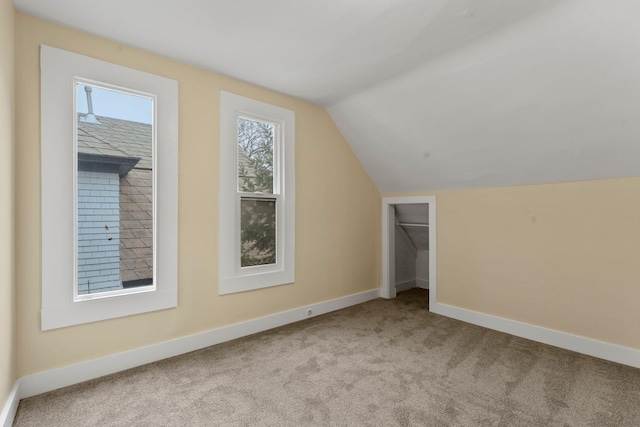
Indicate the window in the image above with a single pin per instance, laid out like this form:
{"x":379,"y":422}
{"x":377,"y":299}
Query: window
{"x":114,"y":191}
{"x":258,"y":199}
{"x":109,"y":190}
{"x":257,"y":195}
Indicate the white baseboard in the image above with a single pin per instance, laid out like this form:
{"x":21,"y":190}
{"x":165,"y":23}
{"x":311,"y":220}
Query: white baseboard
{"x":11,"y":406}
{"x":43,"y":382}
{"x":612,"y":352}
{"x":422,"y":283}
{"x":405,"y":286}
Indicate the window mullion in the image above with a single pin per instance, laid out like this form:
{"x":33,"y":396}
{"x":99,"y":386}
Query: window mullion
{"x":257,"y":196}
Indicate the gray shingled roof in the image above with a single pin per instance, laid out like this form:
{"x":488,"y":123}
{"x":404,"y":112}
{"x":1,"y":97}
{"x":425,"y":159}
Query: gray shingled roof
{"x":136,"y":223}
{"x":117,"y":137}
{"x":123,"y":138}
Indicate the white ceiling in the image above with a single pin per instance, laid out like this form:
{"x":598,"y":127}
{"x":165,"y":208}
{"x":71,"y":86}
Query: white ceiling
{"x":429,"y":94}
{"x":555,"y":97}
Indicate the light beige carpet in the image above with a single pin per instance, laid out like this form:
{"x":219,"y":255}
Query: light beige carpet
{"x":382,"y":363}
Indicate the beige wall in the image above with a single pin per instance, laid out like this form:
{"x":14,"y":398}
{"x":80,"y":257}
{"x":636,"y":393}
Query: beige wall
{"x":7,"y":146}
{"x":561,"y":256}
{"x":337,"y":211}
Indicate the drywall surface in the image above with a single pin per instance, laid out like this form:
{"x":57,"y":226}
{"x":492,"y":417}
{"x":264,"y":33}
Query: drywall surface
{"x":561,"y":256}
{"x":550,"y":98}
{"x":405,"y":261}
{"x":7,"y":146}
{"x":422,"y":269}
{"x":337,"y":211}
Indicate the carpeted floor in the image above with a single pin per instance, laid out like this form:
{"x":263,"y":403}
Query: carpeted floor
{"x":382,"y":363}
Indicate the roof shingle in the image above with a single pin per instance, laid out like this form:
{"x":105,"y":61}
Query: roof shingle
{"x":122,"y":138}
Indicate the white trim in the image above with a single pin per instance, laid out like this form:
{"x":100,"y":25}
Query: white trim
{"x":612,"y":352}
{"x":388,"y":248}
{"x":56,"y":378}
{"x":11,"y":406}
{"x":233,"y":278}
{"x":58,"y":69}
{"x":388,"y":233}
{"x":405,"y":286}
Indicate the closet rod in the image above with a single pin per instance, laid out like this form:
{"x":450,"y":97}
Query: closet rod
{"x":407,"y":224}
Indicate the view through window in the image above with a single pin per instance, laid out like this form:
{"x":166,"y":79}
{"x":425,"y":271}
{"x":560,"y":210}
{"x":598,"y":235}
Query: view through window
{"x":258,"y":200}
{"x":115,"y":183}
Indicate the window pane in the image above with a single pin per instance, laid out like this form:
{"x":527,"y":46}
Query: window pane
{"x":258,"y":232}
{"x":115,"y":190}
{"x":255,"y":156}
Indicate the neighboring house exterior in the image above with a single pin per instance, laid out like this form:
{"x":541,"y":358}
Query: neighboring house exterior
{"x":115,"y":204}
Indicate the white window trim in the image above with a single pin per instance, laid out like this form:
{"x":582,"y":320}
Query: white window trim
{"x":149,"y":288}
{"x":58,"y":70}
{"x":234,"y":278}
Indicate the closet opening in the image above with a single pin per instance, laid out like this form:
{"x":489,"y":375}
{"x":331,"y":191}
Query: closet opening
{"x":409,"y":247}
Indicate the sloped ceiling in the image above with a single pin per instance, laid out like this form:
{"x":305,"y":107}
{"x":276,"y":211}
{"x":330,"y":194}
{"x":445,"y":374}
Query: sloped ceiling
{"x":414,"y":220}
{"x":552,"y":98}
{"x":429,"y":94}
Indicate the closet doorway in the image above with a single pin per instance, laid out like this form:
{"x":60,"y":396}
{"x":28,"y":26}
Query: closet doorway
{"x":408,"y":245}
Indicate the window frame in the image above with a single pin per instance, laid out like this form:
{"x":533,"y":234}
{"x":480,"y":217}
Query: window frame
{"x":276,"y":195}
{"x":232,"y":277}
{"x":132,"y":92}
{"x":60,"y":70}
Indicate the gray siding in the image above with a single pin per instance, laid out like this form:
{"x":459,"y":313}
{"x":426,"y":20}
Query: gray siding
{"x":98,"y":232}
